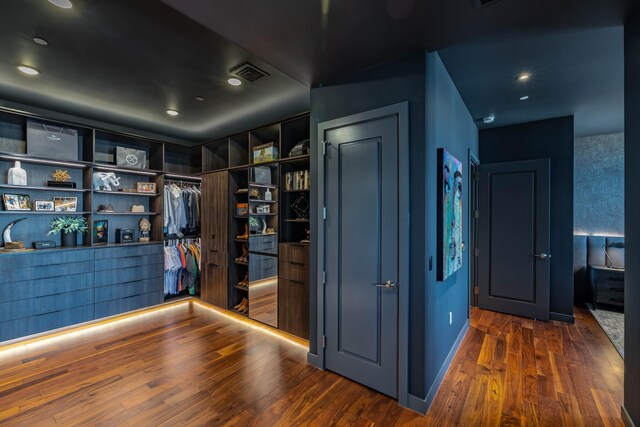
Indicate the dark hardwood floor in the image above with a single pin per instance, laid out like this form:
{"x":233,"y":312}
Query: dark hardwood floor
{"x":189,"y":365}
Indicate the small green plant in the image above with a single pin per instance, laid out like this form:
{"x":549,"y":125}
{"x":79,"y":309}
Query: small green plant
{"x":68,"y":224}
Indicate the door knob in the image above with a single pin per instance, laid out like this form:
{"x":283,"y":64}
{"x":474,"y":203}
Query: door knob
{"x":389,"y":284}
{"x":542,"y":256}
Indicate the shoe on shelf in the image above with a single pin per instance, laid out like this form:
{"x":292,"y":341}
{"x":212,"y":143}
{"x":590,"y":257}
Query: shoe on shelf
{"x":242,"y":304}
{"x":245,"y":254}
{"x":244,"y":236}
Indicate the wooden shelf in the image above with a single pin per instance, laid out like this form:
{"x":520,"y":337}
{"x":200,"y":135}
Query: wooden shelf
{"x":77,"y":164}
{"x":241,"y":240}
{"x":265,"y":234}
{"x":127,"y":213}
{"x":29,"y":187}
{"x":270,"y":186}
{"x":297,"y":220}
{"x":125,"y":193}
{"x":246,"y":264}
{"x":42,"y":213}
{"x":262,"y":201}
{"x":263,"y":214}
{"x":241,"y":288}
{"x":241,"y":216}
{"x":113,"y":168}
{"x":294,"y":159}
{"x":296,"y":191}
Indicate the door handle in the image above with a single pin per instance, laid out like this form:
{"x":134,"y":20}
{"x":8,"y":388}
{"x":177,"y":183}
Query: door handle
{"x":389,"y":284}
{"x":542,"y":256}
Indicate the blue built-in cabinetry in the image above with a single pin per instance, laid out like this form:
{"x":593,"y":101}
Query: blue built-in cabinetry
{"x":128,"y":278}
{"x":49,"y":289}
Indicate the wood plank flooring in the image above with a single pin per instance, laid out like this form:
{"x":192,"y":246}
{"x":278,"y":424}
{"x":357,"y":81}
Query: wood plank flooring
{"x":189,"y":365}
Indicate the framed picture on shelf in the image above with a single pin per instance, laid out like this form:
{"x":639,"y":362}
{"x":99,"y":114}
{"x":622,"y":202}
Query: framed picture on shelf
{"x":44,"y":206}
{"x":146,"y":187}
{"x":65,"y":204}
{"x":16,"y":202}
{"x":101,"y":231}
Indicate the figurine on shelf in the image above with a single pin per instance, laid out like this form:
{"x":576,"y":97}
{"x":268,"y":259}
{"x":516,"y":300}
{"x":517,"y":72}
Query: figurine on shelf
{"x":61,"y":175}
{"x":17,"y":175}
{"x":104,"y":181}
{"x":145,"y":230}
{"x":308,"y":239}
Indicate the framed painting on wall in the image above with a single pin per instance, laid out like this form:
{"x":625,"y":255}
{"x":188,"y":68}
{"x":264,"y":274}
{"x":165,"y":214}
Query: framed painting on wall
{"x":449,"y":215}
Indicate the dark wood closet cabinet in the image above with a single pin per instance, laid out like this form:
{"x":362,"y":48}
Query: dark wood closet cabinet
{"x":293,"y":289}
{"x":215,"y":238}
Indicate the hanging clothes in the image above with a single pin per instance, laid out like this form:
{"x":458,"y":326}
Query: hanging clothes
{"x":182,"y":209}
{"x":182,"y":266}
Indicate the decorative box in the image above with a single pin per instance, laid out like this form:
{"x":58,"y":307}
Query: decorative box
{"x":262,"y":175}
{"x":131,"y":158}
{"x":124,"y":235}
{"x":242,"y":209}
{"x":52,"y":141}
{"x":265,"y":153}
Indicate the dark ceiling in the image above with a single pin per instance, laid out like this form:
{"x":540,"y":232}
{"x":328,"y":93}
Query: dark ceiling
{"x":126,"y":62}
{"x":577,"y":72}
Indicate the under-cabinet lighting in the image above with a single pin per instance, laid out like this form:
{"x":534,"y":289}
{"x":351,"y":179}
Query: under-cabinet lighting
{"x":42,"y":161}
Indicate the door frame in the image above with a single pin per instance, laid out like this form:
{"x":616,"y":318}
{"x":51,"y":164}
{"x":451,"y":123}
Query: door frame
{"x":401,"y":111}
{"x":474,"y":199}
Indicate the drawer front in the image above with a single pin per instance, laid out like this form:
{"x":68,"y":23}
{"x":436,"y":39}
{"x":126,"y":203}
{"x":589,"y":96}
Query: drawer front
{"x":122,"y":305}
{"x":131,"y":274}
{"x":294,"y":271}
{"x":610,"y":296}
{"x":134,"y":261}
{"x":42,"y":287}
{"x":293,"y":307}
{"x":124,"y":290}
{"x":62,"y":256}
{"x":128,"y":251}
{"x":294,"y":252}
{"x":45,"y":322}
{"x":264,"y":244}
{"x":47,"y":304}
{"x":61,"y":270}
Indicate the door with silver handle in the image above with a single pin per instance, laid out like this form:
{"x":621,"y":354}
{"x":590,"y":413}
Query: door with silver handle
{"x":389,"y":284}
{"x":542,"y":256}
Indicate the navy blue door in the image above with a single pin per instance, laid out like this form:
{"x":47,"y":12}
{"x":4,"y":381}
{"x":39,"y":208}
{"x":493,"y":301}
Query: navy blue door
{"x":514,"y":238}
{"x":361,"y":252}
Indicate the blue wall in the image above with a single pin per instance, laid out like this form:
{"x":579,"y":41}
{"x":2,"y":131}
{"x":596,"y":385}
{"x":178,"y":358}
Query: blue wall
{"x":632,"y":213}
{"x":598,"y":185}
{"x":448,"y":124}
{"x":545,"y":139}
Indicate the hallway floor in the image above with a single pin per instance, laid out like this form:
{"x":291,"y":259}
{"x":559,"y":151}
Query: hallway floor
{"x":189,"y":365}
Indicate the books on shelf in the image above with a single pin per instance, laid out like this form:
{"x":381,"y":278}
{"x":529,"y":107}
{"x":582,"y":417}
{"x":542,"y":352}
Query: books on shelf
{"x":298,"y":180}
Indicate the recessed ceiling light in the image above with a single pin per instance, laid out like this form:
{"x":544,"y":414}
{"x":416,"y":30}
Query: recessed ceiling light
{"x":489,"y":119}
{"x":524,"y":98}
{"x":40,"y":41}
{"x":234,"y":82}
{"x":199,"y":98}
{"x":65,"y":4}
{"x":172,"y":113}
{"x":524,"y":77}
{"x":28,"y":70}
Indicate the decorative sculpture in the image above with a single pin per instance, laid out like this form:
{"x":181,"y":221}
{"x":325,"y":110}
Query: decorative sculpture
{"x":61,"y":175}
{"x":104,"y":180}
{"x":145,"y":229}
{"x":17,"y":175}
{"x":10,"y":245}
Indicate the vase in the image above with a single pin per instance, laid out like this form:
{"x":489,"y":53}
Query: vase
{"x":70,"y":239}
{"x":17,"y":175}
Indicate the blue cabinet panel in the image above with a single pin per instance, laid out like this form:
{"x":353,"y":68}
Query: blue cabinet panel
{"x":47,"y":304}
{"x":32,"y":325}
{"x":41,"y":287}
{"x":128,"y":251}
{"x":123,"y":290}
{"x":61,"y":256}
{"x":131,"y":274}
{"x":110,"y":308}
{"x":61,"y":270}
{"x":135,"y":261}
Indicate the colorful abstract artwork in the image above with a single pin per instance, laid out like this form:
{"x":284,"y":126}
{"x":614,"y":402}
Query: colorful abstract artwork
{"x":449,"y":215}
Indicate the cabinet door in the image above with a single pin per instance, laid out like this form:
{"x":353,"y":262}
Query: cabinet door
{"x":215,"y":281}
{"x":215,"y":212}
{"x":215,"y":238}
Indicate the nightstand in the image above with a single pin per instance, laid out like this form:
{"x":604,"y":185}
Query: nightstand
{"x":607,"y":285}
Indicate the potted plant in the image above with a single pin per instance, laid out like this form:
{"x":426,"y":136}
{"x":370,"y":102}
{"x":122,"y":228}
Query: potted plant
{"x":69,"y":227}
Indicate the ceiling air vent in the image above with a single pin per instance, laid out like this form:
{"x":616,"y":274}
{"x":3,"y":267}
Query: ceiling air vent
{"x":249,"y":72}
{"x":479,"y":4}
